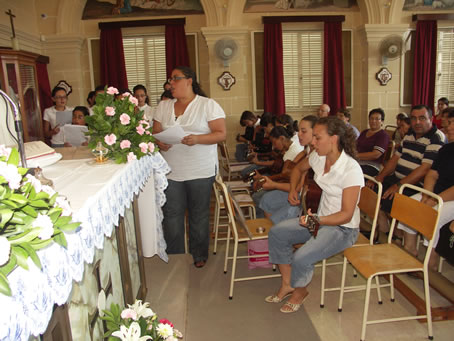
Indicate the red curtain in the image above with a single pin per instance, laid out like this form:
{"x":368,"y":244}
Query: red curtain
{"x":333,"y":71}
{"x":274,"y":69}
{"x":45,"y":93}
{"x":113,"y":68}
{"x":425,"y":63}
{"x":176,"y":47}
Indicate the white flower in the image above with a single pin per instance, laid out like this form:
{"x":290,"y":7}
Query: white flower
{"x":10,"y":173}
{"x":35,"y":182}
{"x":164,"y":330}
{"x":131,"y":334}
{"x":142,"y":310}
{"x":49,"y":190}
{"x":64,"y":204}
{"x":47,"y":228}
{"x":5,"y":248}
{"x":5,"y":151}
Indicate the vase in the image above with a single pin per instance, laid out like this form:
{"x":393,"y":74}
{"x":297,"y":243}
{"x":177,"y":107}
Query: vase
{"x":100,"y":153}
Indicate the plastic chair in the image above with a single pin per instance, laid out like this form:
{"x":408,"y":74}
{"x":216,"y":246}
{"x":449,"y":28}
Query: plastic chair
{"x":369,"y":205}
{"x":382,"y":259}
{"x":244,"y":201}
{"x":249,"y":229}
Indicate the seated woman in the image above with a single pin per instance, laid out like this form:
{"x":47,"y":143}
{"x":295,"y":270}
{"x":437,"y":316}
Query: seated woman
{"x":250,"y":121}
{"x":340,"y":177}
{"x":372,"y":143}
{"x":440,"y":180}
{"x":79,"y":114}
{"x":442,"y":104}
{"x":274,"y":202}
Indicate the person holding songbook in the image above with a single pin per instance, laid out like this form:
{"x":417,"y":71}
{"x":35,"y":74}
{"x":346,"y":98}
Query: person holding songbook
{"x":334,"y":228}
{"x":74,"y":134}
{"x":57,"y":116}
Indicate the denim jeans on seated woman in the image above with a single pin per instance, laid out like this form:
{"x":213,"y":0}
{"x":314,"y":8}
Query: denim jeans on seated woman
{"x":276,"y":203}
{"x":330,"y":241}
{"x":193,"y":195}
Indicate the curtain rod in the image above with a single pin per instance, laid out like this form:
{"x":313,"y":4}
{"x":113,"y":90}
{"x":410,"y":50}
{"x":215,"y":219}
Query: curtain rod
{"x":447,"y":16}
{"x":141,"y":23}
{"x":303,"y":18}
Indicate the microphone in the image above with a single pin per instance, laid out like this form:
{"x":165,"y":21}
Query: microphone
{"x":18,"y":126}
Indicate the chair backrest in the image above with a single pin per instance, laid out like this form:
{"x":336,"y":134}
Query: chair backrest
{"x":390,"y":129}
{"x":369,"y":203}
{"x":420,"y":217}
{"x":389,"y":152}
{"x":223,"y":157}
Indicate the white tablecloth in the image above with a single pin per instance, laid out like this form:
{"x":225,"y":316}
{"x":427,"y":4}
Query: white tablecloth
{"x":98,"y":195}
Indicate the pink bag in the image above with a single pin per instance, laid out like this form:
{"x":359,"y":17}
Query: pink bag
{"x":259,"y":248}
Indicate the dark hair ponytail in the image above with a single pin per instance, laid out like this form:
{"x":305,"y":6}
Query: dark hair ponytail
{"x":347,"y":138}
{"x":280,"y":131}
{"x":189,"y":73}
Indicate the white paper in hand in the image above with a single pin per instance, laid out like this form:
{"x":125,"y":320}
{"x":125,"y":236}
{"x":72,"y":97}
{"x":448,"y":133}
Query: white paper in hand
{"x":75,"y":134}
{"x":172,"y":135}
{"x":64,"y":117}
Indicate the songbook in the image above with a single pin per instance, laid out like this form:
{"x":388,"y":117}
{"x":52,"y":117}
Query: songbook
{"x":36,"y":149}
{"x":172,"y":135}
{"x":74,"y":134}
{"x":64,"y":117}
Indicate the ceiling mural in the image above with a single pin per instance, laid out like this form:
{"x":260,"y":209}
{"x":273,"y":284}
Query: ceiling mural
{"x":298,"y":5}
{"x":95,"y":9}
{"x":427,"y":5}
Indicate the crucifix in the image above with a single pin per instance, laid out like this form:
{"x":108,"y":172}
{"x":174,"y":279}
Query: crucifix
{"x":11,"y":16}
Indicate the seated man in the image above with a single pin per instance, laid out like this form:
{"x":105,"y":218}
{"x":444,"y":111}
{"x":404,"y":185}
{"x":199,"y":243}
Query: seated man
{"x":345,"y":116}
{"x":411,"y":161}
{"x":440,"y":180}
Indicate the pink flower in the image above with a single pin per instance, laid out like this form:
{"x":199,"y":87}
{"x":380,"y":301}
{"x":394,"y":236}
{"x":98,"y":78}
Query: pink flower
{"x":124,"y":119}
{"x":165,"y":321}
{"x":147,"y":132}
{"x":151,"y":146}
{"x":129,"y":314}
{"x":125,"y":144}
{"x":112,"y":91}
{"x":140,"y":130}
{"x":133,"y":100}
{"x":143,"y":147}
{"x":110,"y":111}
{"x":110,"y":139}
{"x":131,"y":157}
{"x":147,"y":125}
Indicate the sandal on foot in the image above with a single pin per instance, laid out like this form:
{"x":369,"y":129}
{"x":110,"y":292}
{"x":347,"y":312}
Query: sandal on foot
{"x":277,"y":299}
{"x":292,"y":307}
{"x":200,"y":264}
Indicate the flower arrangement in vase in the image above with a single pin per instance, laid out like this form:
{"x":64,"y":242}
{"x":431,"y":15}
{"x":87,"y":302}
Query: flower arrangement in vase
{"x":137,"y":323}
{"x":32,"y":216}
{"x":118,"y":129}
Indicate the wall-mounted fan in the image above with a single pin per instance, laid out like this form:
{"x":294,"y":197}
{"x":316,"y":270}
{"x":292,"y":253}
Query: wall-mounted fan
{"x":225,"y":50}
{"x":391,"y":47}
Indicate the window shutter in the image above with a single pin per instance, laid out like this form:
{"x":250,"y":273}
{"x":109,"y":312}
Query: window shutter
{"x":445,"y":65}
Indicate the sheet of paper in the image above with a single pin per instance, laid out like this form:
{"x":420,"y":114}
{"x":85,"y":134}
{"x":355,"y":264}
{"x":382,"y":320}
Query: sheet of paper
{"x":172,"y":135}
{"x":75,"y":134}
{"x":64,"y":117}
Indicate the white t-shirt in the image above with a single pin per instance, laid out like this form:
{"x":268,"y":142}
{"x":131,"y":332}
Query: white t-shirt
{"x":147,"y":112}
{"x":191,"y":162}
{"x":294,"y":149}
{"x":345,"y":173}
{"x":50,"y":115}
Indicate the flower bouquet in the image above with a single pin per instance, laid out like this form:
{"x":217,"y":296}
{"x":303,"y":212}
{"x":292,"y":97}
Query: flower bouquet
{"x":119,"y":127}
{"x":137,"y":323}
{"x":32,"y":216}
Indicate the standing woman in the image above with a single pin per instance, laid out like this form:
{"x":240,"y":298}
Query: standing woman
{"x":140,"y":92}
{"x":340,"y":177}
{"x":193,"y":162}
{"x":51,"y":129}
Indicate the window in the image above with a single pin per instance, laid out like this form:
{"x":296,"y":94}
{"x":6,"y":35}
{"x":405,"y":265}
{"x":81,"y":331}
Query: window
{"x":303,"y":68}
{"x":444,"y":86}
{"x":145,"y":61}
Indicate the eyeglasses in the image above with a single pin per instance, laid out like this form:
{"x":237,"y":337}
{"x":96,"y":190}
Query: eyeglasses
{"x":176,"y":78}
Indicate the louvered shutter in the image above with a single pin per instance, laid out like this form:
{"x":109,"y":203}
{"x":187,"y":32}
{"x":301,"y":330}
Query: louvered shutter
{"x":445,"y":65}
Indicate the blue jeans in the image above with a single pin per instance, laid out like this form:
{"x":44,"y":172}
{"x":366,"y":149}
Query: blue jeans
{"x":276,"y":203}
{"x":330,"y":241}
{"x":193,"y":195}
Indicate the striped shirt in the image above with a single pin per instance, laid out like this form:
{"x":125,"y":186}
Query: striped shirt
{"x":413,"y":151}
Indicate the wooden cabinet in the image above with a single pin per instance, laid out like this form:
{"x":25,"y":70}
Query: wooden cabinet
{"x":19,"y":81}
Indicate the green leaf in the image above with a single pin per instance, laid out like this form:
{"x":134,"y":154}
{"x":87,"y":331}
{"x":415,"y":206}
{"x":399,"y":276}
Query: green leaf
{"x":21,"y":256}
{"x":32,"y":253}
{"x":8,"y":267}
{"x":41,"y":195}
{"x":39,"y":244}
{"x":30,"y":211}
{"x":39,"y":203}
{"x":62,"y":221}
{"x":10,"y":203}
{"x":4,"y":285}
{"x":13,"y":157}
{"x":5,"y":216}
{"x":19,"y":198}
{"x":53,"y":199}
{"x":69,"y":227}
{"x":54,"y":216}
{"x":22,"y":171}
{"x":25,"y":237}
{"x":60,"y":239}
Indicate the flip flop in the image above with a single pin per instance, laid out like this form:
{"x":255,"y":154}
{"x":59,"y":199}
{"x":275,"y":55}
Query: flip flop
{"x":292,"y":307}
{"x":276,"y":299}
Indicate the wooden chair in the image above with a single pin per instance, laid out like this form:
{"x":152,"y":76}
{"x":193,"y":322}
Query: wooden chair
{"x":227,"y":165}
{"x":242,"y":230}
{"x":389,"y":152}
{"x":369,"y":205}
{"x":244,"y":200}
{"x":390,"y":129}
{"x":389,"y":259}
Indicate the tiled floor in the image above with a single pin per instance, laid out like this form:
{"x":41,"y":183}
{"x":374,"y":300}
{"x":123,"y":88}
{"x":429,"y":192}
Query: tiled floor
{"x":171,"y":293}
